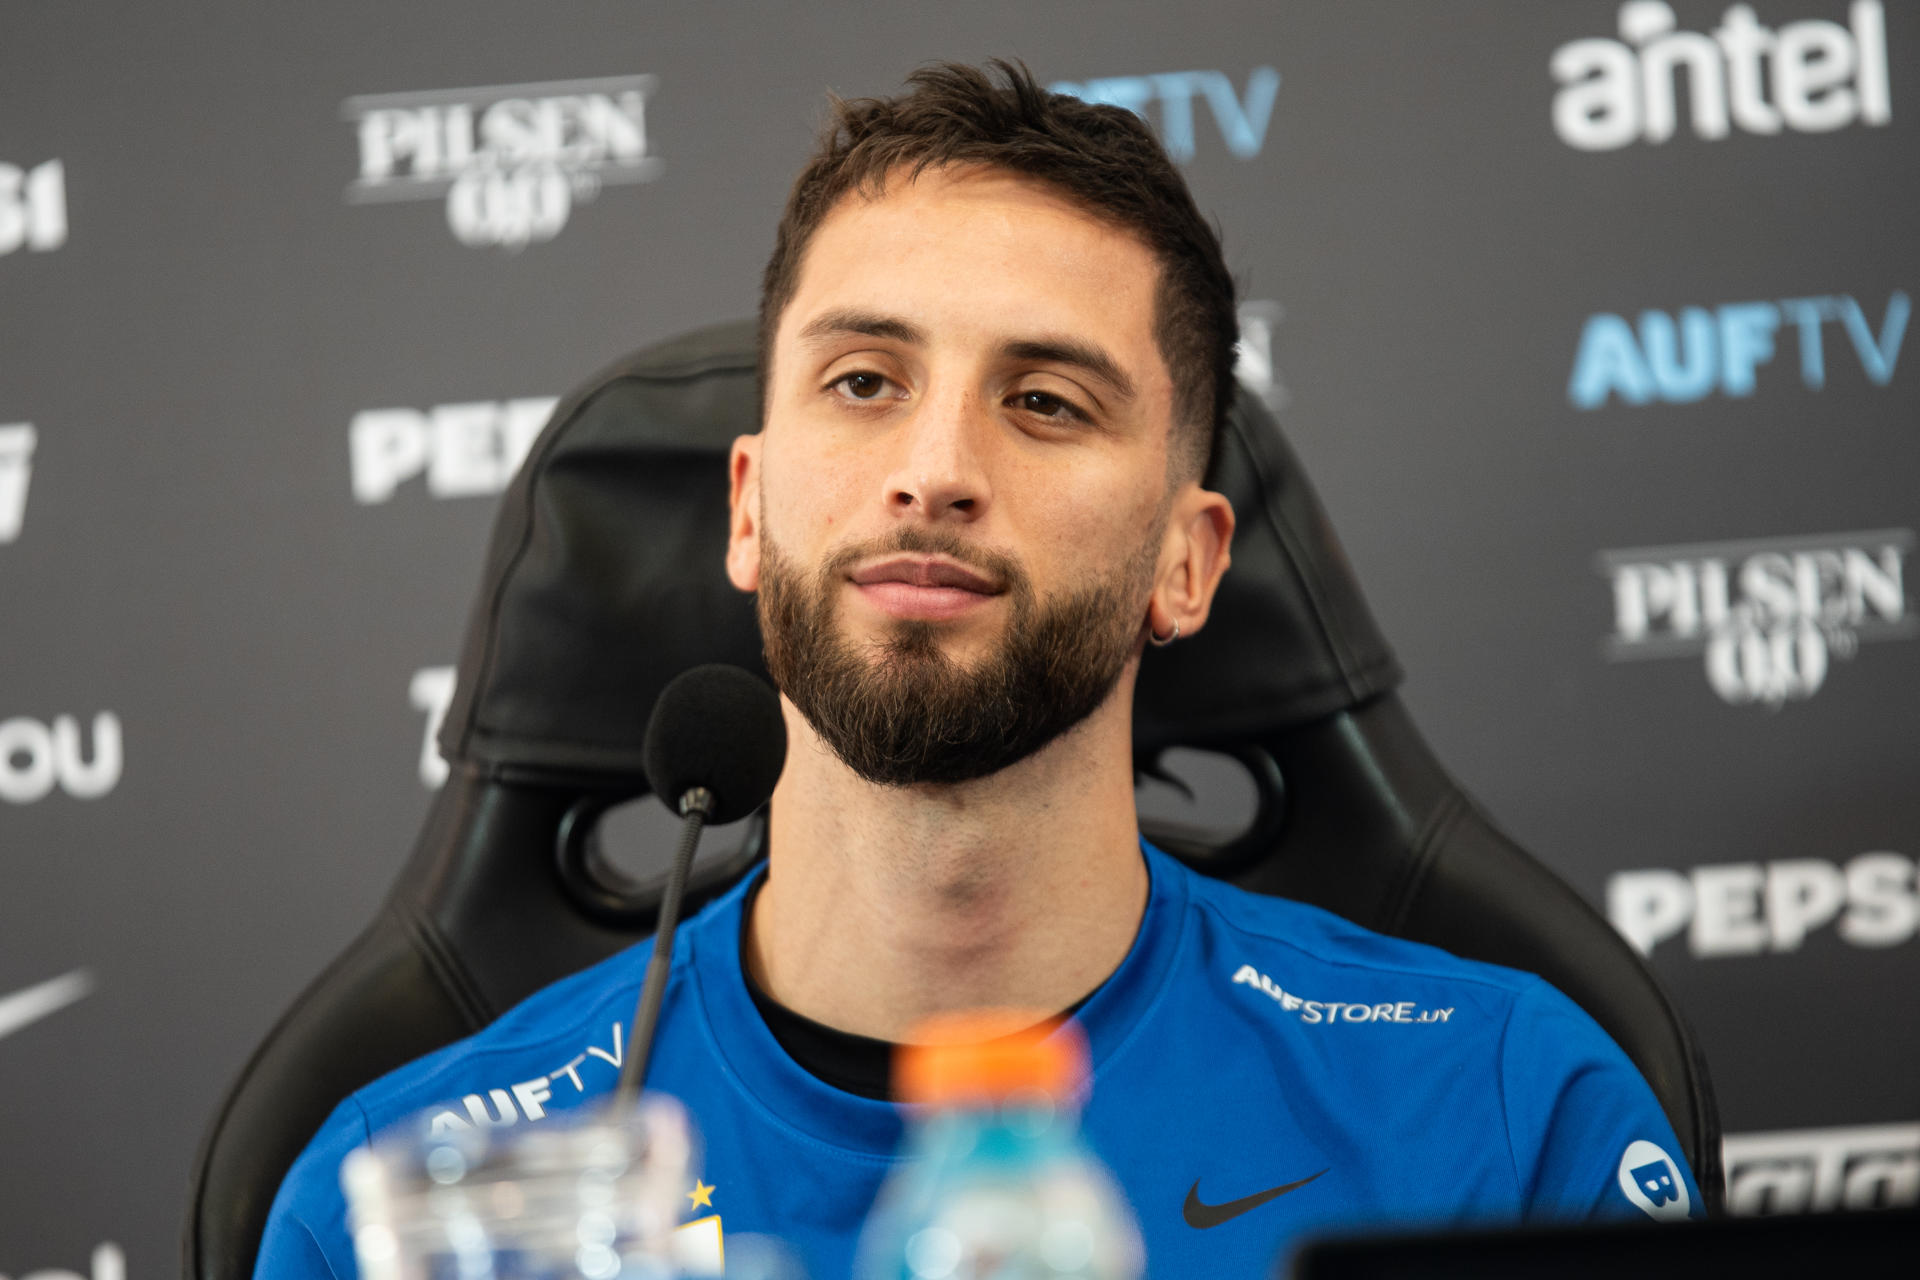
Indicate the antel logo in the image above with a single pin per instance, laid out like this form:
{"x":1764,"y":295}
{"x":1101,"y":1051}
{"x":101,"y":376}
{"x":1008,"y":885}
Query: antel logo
{"x":1681,"y":358}
{"x":1821,"y":76}
{"x":1767,"y":614}
{"x":431,"y":693}
{"x":1241,"y":118}
{"x":35,"y":757}
{"x":33,"y":207}
{"x":511,"y":160}
{"x":16,"y":468}
{"x":1869,"y":1166}
{"x":1749,"y":908}
{"x":463,"y":450}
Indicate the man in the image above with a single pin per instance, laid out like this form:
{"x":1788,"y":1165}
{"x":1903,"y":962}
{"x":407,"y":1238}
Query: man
{"x":996,"y":340}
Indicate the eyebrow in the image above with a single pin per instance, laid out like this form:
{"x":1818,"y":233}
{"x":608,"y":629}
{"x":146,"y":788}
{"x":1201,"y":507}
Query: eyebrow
{"x":1071,"y":351}
{"x":840,"y":324}
{"x":1050,"y":349}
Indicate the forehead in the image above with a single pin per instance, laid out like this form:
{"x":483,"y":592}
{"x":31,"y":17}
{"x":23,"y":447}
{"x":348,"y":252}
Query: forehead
{"x":982,"y":253}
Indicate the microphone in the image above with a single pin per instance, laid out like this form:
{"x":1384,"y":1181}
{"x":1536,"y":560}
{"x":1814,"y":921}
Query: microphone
{"x":719,"y":729}
{"x":714,"y":748}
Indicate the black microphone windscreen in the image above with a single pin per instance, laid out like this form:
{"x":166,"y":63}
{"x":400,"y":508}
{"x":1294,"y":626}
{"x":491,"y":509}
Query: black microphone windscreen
{"x":718,"y":727}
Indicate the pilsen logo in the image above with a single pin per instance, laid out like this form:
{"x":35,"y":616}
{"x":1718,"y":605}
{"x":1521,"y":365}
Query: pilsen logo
{"x":511,"y":160}
{"x":1769,"y":615}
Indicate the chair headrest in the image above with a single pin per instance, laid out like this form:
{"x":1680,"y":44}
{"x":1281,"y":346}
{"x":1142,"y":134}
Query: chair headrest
{"x":604,"y":579}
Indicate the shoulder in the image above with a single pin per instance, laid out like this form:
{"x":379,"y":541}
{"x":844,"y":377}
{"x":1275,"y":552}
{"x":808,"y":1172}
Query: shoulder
{"x":306,"y":1234}
{"x":556,"y":1025}
{"x":1259,"y":937}
{"x":1320,"y":967}
{"x":563,"y":1043}
{"x":1528,"y":1022}
{"x":1580,"y":1123}
{"x":1577,"y":1116}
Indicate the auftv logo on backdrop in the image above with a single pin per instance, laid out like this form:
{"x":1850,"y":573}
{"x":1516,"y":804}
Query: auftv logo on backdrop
{"x":1810,"y":76}
{"x":512,"y":160}
{"x":35,"y":757}
{"x":1241,"y":116}
{"x":1751,"y":908}
{"x":461,"y":450}
{"x":16,"y":468}
{"x":1768,"y":614}
{"x":1683,"y":357}
{"x":33,"y":207}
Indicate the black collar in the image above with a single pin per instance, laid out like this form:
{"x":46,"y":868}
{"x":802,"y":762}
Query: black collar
{"x":860,"y":1065}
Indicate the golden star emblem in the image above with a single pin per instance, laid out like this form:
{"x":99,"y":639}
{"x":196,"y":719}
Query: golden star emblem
{"x":701,"y":1195}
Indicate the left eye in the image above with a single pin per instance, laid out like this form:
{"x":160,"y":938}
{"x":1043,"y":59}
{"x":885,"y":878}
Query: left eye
{"x":1044,"y":405}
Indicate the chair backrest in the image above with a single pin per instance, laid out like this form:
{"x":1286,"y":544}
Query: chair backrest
{"x":604,"y":580}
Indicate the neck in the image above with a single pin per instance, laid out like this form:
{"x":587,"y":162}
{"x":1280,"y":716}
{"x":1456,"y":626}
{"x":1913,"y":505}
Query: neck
{"x":884,"y":905}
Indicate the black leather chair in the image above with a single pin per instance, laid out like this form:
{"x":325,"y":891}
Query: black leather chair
{"x":604,"y":580}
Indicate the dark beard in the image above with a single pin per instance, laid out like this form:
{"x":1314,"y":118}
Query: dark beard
{"x":901,"y":712}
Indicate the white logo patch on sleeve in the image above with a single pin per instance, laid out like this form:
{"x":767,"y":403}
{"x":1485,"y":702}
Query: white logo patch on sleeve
{"x":1650,"y":1178}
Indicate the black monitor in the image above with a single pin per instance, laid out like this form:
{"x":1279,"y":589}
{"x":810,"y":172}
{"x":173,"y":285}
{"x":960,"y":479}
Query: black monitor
{"x":1839,"y":1246}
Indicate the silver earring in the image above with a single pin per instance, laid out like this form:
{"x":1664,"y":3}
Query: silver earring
{"x":1171,"y":636}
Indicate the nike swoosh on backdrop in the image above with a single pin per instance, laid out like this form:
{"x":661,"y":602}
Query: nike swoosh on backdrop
{"x":24,"y":1008}
{"x":1202,"y":1216}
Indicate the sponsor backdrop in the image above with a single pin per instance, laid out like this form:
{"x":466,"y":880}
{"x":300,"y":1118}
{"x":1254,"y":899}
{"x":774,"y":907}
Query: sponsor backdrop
{"x":1590,"y":320}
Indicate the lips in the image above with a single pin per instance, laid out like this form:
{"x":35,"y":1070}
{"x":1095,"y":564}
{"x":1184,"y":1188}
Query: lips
{"x":924,"y":588}
{"x":924,"y":571}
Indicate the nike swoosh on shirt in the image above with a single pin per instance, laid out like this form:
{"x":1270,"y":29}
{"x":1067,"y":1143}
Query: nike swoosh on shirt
{"x":1202,"y":1216}
{"x":26,"y":1007}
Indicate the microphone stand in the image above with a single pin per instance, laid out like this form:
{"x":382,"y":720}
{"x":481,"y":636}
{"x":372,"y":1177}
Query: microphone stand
{"x":696,"y":806}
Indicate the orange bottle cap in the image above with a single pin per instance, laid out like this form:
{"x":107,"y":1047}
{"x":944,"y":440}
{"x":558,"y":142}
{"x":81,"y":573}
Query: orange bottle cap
{"x":990,"y":1055}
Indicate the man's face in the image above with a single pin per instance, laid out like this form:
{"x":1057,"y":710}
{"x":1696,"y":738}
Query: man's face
{"x":955,"y":512}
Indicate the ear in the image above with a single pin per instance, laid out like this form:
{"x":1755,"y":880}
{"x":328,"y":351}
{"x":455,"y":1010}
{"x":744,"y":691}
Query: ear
{"x":1195,"y":553}
{"x":743,"y":513}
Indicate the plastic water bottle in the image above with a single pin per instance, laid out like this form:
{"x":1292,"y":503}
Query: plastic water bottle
{"x":581,"y":1196}
{"x":998,"y":1183}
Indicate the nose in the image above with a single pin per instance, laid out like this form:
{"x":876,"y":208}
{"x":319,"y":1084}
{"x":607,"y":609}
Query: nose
{"x":938,"y":473}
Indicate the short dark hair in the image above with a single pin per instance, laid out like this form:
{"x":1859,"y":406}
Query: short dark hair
{"x":1102,"y":157}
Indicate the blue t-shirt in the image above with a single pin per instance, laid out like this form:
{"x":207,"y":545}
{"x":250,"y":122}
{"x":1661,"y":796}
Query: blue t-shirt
{"x":1245,"y":1043}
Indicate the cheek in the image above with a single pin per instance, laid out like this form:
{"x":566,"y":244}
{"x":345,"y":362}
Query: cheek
{"x":1073,"y":535}
{"x":807,"y":498}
